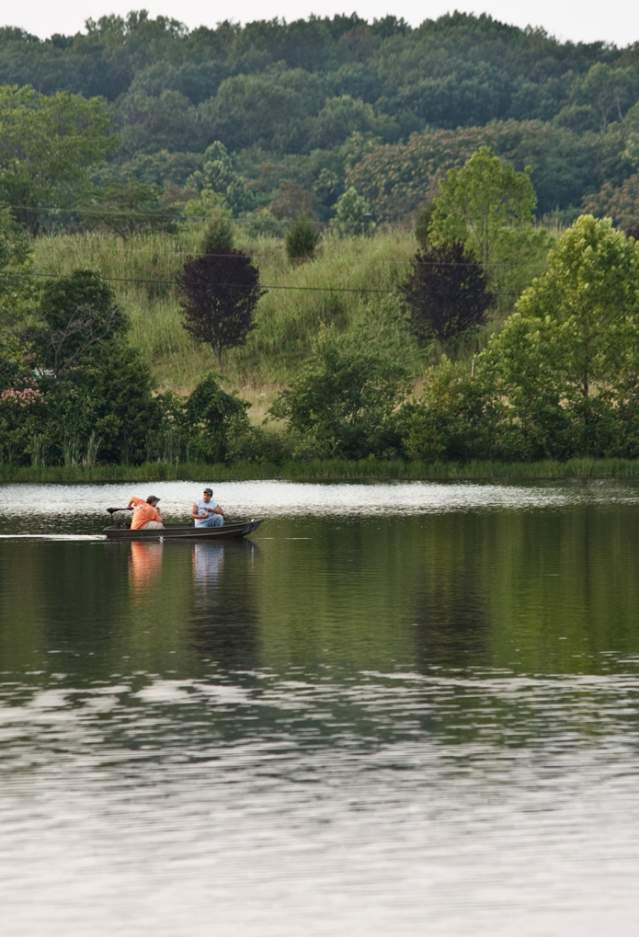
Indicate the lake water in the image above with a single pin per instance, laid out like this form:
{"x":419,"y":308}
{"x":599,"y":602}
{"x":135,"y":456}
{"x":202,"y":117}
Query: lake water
{"x":396,"y":710}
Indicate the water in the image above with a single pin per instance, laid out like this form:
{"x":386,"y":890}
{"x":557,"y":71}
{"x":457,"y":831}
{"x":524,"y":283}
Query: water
{"x":396,"y":710}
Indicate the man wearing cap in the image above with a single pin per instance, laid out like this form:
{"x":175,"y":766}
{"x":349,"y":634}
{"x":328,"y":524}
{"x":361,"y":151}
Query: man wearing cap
{"x":206,"y":512}
{"x":145,"y":514}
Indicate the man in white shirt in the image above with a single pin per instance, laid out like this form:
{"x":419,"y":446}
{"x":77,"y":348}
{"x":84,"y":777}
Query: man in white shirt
{"x":206,"y":512}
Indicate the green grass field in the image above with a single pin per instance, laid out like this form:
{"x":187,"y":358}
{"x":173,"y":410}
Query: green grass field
{"x":326,"y":292}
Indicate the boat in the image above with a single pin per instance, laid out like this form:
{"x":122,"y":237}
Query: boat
{"x":190,"y":532}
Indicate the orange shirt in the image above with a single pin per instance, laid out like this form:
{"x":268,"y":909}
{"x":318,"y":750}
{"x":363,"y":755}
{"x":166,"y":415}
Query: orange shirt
{"x":142,"y":513}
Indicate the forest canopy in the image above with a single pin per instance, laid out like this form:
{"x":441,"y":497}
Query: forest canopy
{"x":326,"y":104}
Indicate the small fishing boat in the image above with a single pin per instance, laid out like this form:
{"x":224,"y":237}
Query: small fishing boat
{"x":190,"y":532}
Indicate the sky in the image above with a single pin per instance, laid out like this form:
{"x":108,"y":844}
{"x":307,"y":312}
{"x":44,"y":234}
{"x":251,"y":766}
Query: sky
{"x":615,"y":21}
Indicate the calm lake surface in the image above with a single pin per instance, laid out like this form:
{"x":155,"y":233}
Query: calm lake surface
{"x":404,"y":709}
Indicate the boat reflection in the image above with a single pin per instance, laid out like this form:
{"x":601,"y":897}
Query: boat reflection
{"x":225,"y":609}
{"x":208,"y":563}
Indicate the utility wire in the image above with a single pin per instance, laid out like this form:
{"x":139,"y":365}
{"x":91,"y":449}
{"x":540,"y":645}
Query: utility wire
{"x":239,"y":286}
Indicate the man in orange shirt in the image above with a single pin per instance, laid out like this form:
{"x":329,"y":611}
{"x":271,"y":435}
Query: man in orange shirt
{"x":145,"y":514}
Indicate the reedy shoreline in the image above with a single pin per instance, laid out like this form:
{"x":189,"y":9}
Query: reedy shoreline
{"x":326,"y":470}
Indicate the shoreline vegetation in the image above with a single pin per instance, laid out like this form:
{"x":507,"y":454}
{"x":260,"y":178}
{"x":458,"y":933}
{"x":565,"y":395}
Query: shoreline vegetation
{"x":326,"y":471}
{"x":424,"y":270}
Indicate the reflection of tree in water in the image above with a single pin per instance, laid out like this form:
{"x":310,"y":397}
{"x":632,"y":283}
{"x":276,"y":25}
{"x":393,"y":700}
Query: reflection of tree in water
{"x":451,"y":625}
{"x":225,"y":617}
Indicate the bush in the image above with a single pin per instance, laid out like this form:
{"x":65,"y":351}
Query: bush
{"x":213,"y":421}
{"x":343,"y":403}
{"x":302,"y":239}
{"x":456,"y":419}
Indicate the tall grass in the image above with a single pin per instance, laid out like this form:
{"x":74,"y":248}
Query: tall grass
{"x":333,"y":470}
{"x":324,"y":292}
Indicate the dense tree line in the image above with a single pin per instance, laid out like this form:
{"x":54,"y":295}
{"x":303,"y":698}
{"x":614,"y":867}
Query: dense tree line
{"x":327,"y":104}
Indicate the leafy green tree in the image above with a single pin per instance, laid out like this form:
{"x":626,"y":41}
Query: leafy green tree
{"x":218,"y":294}
{"x":218,"y":175}
{"x":479,"y":204}
{"x":609,"y":90}
{"x":80,"y":320}
{"x":458,"y":417}
{"x":343,"y":402}
{"x":488,"y":207}
{"x":47,"y":147}
{"x":219,"y":235}
{"x":86,"y":393}
{"x":148,"y":123}
{"x":213,"y":419}
{"x":572,"y":345}
{"x":292,"y":200}
{"x":423,"y":219}
{"x":353,"y":215}
{"x":129,"y":207}
{"x":446,"y":292}
{"x":302,"y":239}
{"x":619,"y":202}
{"x":266,"y":109}
{"x":342,"y":116}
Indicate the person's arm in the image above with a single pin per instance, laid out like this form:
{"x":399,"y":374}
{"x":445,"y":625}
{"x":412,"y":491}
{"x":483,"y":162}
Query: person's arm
{"x":217,"y":510}
{"x":134,"y":501}
{"x":195,"y":514}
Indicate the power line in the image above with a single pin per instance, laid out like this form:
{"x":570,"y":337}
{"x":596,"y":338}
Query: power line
{"x":239,"y":286}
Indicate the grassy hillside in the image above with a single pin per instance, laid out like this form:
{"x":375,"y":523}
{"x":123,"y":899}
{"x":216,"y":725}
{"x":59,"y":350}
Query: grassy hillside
{"x":350,"y":286}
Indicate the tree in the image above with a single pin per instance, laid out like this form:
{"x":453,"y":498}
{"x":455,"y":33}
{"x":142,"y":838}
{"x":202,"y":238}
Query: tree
{"x":353,"y":215}
{"x":570,"y":351}
{"x":149,"y":123}
{"x":292,"y":200}
{"x":47,"y":146}
{"x":446,"y":293}
{"x":219,"y":293}
{"x":17,"y":289}
{"x":267,"y":108}
{"x":86,"y":392}
{"x":423,"y":219}
{"x":302,"y":239}
{"x":341,"y":116}
{"x":619,"y":202}
{"x":127,"y":207}
{"x":79,"y":321}
{"x":456,"y":418}
{"x":480,"y":203}
{"x":343,"y":402}
{"x":609,"y":91}
{"x":213,"y":418}
{"x":218,"y":175}
{"x":219,"y":235}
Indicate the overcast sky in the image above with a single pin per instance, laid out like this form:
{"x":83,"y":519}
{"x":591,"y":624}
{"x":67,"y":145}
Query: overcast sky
{"x":612,"y":21}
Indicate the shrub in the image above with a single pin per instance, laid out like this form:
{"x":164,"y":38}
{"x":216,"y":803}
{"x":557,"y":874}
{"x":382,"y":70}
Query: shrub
{"x":343,"y":402}
{"x":302,"y":239}
{"x":213,"y":420}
